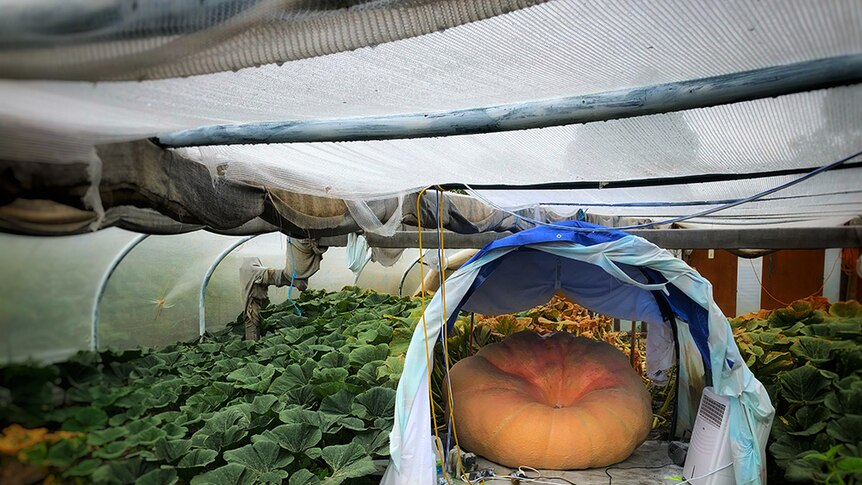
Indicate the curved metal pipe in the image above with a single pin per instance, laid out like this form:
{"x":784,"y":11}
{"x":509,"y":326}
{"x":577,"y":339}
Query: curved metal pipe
{"x":202,"y":321}
{"x":103,"y":284}
{"x":622,"y":103}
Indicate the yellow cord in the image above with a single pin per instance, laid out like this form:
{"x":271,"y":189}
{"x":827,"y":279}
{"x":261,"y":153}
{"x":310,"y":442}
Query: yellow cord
{"x":437,"y":443}
{"x":446,"y":328}
{"x":819,"y":291}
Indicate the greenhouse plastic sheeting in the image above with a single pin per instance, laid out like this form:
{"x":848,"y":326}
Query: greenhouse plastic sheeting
{"x":112,"y":39}
{"x":553,"y":49}
{"x":224,"y":298}
{"x":48,"y":291}
{"x":224,"y":293}
{"x":152,"y":299}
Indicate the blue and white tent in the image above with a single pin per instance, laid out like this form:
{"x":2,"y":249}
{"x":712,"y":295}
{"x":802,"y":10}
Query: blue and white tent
{"x":607,"y":271}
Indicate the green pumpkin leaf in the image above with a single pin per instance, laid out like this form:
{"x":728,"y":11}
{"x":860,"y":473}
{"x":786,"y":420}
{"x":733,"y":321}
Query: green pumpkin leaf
{"x":846,"y":429}
{"x":803,"y":470}
{"x":369,"y":374}
{"x":338,"y":403}
{"x":223,"y":429}
{"x":146,"y":437}
{"x":804,"y":385}
{"x":296,"y":437}
{"x":400,"y":341}
{"x":170,"y":450}
{"x":329,"y":388}
{"x":789,"y":316}
{"x":112,"y":450}
{"x":333,"y":360}
{"x":846,"y":309}
{"x":65,"y":452}
{"x":162,"y":476}
{"x":810,"y":420}
{"x":253,"y":376}
{"x":264,"y":403}
{"x":353,"y":424}
{"x":263,"y":459}
{"x":303,"y":396}
{"x":787,"y":448}
{"x":174,"y":431}
{"x":321,"y":375}
{"x":140,"y":425}
{"x":294,"y":376}
{"x":83,"y":469}
{"x":103,"y":437}
{"x":843,"y":401}
{"x":817,"y":350}
{"x":377,"y":402}
{"x":392,"y":368}
{"x":230,"y":474}
{"x":367,"y":353}
{"x":303,"y":477}
{"x":325,"y":422}
{"x":197,"y":458}
{"x":347,"y":461}
{"x":85,"y":419}
{"x":375,"y":443}
{"x":208,"y":399}
{"x":121,"y":472}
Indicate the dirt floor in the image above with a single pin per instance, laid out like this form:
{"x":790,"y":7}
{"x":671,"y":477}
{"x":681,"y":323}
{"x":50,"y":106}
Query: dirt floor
{"x":651,"y":454}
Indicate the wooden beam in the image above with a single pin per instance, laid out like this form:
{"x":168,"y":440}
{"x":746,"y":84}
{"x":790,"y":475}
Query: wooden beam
{"x":623,"y":103}
{"x":760,"y":238}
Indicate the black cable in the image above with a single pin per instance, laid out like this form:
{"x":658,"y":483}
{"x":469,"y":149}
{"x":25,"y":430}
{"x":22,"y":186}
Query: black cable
{"x":404,"y":277}
{"x":645,"y":182}
{"x":540,"y":477}
{"x":611,"y":479}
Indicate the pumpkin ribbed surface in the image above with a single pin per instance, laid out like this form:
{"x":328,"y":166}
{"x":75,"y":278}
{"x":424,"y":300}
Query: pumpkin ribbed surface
{"x":558,"y":402}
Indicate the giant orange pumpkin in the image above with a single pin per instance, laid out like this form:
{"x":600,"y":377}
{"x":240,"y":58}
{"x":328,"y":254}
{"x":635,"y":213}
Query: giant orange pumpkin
{"x":557,"y":402}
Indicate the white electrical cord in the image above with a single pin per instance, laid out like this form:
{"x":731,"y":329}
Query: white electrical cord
{"x":534,"y":480}
{"x":509,"y":478}
{"x":705,"y":475}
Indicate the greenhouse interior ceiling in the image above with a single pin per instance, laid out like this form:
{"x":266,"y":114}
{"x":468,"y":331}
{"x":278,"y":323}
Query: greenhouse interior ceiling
{"x":249,"y":117}
{"x":185,"y":177}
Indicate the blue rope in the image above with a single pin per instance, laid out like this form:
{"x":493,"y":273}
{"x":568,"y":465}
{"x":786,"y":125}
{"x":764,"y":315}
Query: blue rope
{"x":292,"y":278}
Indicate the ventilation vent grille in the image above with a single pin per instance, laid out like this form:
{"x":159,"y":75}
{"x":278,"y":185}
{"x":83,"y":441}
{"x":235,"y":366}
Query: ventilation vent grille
{"x":712,"y":411}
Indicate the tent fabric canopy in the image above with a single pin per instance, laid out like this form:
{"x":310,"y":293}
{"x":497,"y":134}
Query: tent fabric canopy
{"x":607,"y":271}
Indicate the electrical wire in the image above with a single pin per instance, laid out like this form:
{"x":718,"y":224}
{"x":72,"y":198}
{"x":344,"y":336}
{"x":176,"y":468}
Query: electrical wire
{"x":517,"y":479}
{"x":450,"y":399}
{"x":816,"y":292}
{"x":702,"y":213}
{"x":437,"y":443}
{"x":404,"y":277}
{"x":689,"y":480}
{"x":512,"y":478}
{"x":540,"y":476}
{"x":611,"y":479}
{"x":688,"y":202}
